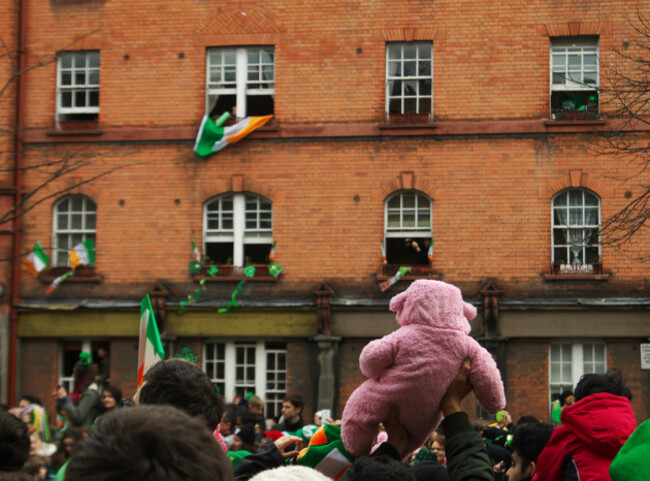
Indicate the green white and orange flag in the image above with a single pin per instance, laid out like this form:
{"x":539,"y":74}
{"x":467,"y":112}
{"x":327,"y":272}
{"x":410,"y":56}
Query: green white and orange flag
{"x":213,"y":136}
{"x":150,"y":349}
{"x":326,"y":453}
{"x":36,"y":261}
{"x":197,"y":252}
{"x":56,"y":282}
{"x":82,"y":254}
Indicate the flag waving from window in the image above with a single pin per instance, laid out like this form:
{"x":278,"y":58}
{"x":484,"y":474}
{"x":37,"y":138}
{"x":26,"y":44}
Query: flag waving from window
{"x":213,"y":136}
{"x":36,"y":261}
{"x":150,"y":349}
{"x":83,"y":254}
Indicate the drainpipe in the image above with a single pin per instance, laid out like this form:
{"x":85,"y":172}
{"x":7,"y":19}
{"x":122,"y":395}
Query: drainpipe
{"x":18,"y":189}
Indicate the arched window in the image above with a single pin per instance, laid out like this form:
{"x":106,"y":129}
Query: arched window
{"x":238,"y":229}
{"x":576,"y":228}
{"x":407,"y":231}
{"x":75,"y":220}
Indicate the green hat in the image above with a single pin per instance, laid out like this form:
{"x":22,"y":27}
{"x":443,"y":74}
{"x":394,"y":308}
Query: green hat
{"x":592,"y":98}
{"x":249,"y":395}
{"x":84,"y":358}
{"x":631,"y":462}
{"x":236,"y":456}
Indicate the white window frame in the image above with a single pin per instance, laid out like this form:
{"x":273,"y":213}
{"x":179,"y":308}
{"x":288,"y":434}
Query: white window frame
{"x":415,"y":78}
{"x":563,"y":49}
{"x":88,"y":87}
{"x":260,"y":384}
{"x":573,"y":227}
{"x":240,"y":234}
{"x":74,"y":236}
{"x":242,"y":82}
{"x":577,"y":363}
{"x":404,"y":231}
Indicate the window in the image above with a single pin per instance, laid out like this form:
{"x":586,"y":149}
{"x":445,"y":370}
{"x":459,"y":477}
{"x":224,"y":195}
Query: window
{"x":574,"y":78}
{"x":409,"y":79}
{"x":78,"y":86}
{"x":238,"y":229}
{"x":407,"y":219}
{"x":242,"y":77}
{"x":568,"y":362}
{"x":75,"y":219}
{"x":69,"y":355}
{"x":576,"y":228}
{"x":238,"y":368}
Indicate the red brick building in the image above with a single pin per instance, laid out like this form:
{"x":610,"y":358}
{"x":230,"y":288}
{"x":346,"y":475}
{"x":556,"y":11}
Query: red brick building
{"x":461,"y":121}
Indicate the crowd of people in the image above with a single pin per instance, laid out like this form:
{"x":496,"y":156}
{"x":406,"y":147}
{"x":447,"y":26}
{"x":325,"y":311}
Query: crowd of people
{"x":177,"y":427}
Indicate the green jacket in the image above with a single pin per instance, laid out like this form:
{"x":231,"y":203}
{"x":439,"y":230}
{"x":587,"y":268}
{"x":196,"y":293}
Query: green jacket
{"x":467,"y":456}
{"x":83,"y":415}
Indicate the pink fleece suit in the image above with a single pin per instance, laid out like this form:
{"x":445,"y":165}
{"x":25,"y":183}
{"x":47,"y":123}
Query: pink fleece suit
{"x":413,"y":367}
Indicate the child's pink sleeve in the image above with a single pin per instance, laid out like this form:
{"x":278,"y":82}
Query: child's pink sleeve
{"x":485,"y":378}
{"x":377,"y":356}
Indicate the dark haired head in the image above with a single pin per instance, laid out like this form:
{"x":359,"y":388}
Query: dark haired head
{"x":184,"y":385}
{"x":295,"y":399}
{"x":14,"y":442}
{"x":527,"y":420}
{"x":529,"y":440}
{"x":611,"y":382}
{"x":378,"y":468}
{"x":149,"y":443}
{"x":563,"y":397}
{"x":31,"y":399}
{"x":115,"y":391}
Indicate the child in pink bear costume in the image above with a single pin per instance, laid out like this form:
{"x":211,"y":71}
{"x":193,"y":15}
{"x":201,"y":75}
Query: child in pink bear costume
{"x":413,"y":367}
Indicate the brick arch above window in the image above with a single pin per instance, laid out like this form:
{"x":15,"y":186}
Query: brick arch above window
{"x":577,"y":179}
{"x":407,"y":181}
{"x":240,"y":24}
{"x":406,"y":34}
{"x":237,"y":183}
{"x":87,"y":190}
{"x":575,"y":29}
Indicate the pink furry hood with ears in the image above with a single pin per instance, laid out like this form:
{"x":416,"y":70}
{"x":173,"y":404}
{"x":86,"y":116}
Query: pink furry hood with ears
{"x":433,"y":303}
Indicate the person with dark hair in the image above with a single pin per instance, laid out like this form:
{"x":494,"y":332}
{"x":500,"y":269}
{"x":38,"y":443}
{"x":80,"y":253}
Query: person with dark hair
{"x":14,"y":442}
{"x":528,"y":442}
{"x":593,"y":430}
{"x":244,"y":439}
{"x":228,"y":424}
{"x":565,"y":398}
{"x":291,"y":414}
{"x":184,"y":385}
{"x":67,"y":447}
{"x":111,"y":397}
{"x":82,"y":404}
{"x":149,"y":443}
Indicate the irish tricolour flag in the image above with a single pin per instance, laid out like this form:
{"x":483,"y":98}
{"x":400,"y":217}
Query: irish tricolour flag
{"x":213,"y":136}
{"x":82,"y":254}
{"x":151,"y":349}
{"x":36,"y":261}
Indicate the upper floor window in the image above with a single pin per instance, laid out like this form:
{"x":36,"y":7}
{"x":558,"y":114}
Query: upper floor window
{"x":238,"y":229}
{"x":568,"y":362}
{"x":259,"y":367}
{"x":77,"y":86}
{"x":576,"y":228}
{"x":574,"y":78}
{"x":240,"y":77}
{"x":75,"y":220}
{"x":407,"y":232}
{"x":409,"y":80}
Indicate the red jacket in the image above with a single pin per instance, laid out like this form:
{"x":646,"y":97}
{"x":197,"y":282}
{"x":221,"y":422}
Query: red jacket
{"x":592,"y":432}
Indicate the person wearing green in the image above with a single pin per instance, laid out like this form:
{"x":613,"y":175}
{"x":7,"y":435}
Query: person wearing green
{"x":565,"y":399}
{"x":631,"y":462}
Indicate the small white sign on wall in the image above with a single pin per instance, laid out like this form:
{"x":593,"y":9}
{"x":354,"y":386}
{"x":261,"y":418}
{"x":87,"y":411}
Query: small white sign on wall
{"x":645,"y":355}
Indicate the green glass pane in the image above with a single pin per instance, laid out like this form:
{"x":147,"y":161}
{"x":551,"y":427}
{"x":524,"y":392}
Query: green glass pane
{"x":408,"y":201}
{"x":555,"y":353}
{"x":93,"y":60}
{"x":394,"y":51}
{"x":410,"y":51}
{"x":424,"y":51}
{"x":566,"y":352}
{"x":556,"y":375}
{"x":560,"y":200}
{"x":66,"y":60}
{"x":408,"y":219}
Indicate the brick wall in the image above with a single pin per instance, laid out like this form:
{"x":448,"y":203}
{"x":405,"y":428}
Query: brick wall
{"x":624,"y":355}
{"x":527,"y":379}
{"x":302,"y":374}
{"x":350,"y":376}
{"x":39,"y":359}
{"x":124,"y":365}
